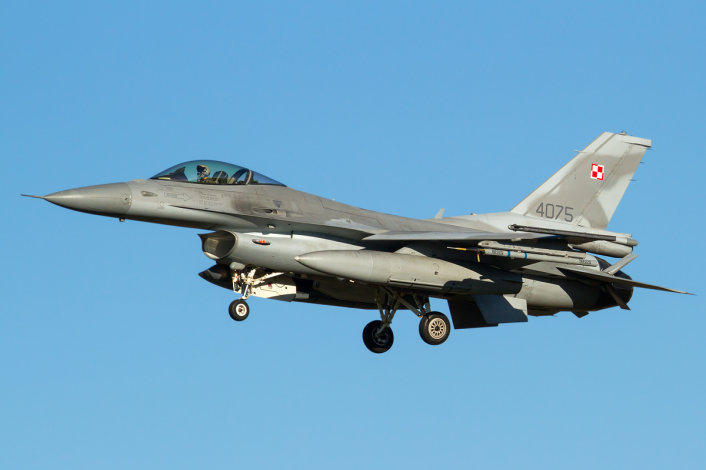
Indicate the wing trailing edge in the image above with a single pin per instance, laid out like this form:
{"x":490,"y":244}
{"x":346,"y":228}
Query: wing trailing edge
{"x":609,"y":278}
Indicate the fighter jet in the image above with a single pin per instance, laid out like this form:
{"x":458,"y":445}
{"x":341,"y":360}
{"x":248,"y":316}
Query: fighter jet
{"x":268,"y":240}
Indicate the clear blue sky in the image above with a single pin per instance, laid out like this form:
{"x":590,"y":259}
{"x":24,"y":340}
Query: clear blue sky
{"x":114,"y":354}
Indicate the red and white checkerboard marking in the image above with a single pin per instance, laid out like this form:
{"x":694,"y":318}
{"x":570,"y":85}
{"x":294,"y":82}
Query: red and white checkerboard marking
{"x":597,"y":172}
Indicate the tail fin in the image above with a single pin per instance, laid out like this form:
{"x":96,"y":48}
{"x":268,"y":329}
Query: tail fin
{"x":587,"y":190}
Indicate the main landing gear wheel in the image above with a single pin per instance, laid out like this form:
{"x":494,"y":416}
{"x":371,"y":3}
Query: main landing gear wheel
{"x":434,"y":328}
{"x":377,"y":342}
{"x":239,"y":310}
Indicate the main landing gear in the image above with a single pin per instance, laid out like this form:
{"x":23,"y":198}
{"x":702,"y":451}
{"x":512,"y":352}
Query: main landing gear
{"x":376,"y":338}
{"x":242,"y":283}
{"x":434,"y":327}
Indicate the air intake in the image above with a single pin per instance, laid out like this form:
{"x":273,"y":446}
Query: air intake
{"x":218,"y":245}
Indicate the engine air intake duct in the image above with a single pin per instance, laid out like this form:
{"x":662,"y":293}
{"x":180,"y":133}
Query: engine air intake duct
{"x":218,"y":245}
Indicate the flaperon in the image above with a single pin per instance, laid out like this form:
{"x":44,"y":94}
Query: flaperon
{"x":272,"y":241}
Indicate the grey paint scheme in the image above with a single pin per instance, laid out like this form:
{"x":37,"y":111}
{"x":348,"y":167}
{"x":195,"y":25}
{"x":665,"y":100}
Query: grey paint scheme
{"x":337,"y":253}
{"x":594,"y":200}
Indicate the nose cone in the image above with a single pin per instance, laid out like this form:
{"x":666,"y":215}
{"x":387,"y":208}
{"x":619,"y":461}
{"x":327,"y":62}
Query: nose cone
{"x":104,"y":199}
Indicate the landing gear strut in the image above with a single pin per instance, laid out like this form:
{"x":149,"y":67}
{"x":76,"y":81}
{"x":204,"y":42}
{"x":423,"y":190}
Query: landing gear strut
{"x":377,"y":335}
{"x":243,"y":283}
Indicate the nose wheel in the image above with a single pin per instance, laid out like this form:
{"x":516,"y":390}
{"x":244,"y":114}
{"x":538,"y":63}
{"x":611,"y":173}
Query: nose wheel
{"x":434,"y":328}
{"x":239,"y":310}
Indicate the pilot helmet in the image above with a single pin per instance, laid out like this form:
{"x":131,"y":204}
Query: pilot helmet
{"x":203,"y":171}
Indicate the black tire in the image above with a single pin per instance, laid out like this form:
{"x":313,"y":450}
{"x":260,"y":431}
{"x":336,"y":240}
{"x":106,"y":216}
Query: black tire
{"x":239,"y":310}
{"x":422,"y":328}
{"x":434,"y":328}
{"x":381,"y":343}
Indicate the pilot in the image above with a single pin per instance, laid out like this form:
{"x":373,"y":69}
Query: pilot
{"x":202,"y":173}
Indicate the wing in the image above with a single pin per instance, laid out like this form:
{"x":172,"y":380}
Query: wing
{"x":578,"y":272}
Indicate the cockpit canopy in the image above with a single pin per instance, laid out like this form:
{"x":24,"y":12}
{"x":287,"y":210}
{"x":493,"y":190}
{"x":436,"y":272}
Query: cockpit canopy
{"x":213,"y":172}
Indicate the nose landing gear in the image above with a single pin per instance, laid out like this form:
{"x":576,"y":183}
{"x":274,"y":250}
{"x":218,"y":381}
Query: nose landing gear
{"x":243,"y":283}
{"x":239,"y":310}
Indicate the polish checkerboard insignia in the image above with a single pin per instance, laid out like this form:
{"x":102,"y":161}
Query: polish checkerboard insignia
{"x":597,"y":172}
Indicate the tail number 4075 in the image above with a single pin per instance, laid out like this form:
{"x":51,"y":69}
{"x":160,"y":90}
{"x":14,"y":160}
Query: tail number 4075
{"x":554,"y":211}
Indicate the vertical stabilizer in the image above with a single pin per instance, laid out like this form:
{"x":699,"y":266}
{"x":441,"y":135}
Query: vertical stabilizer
{"x":588,"y":189}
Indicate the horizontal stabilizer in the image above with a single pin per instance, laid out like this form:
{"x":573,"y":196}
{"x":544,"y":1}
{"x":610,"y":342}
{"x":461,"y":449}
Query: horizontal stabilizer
{"x":454,"y":236}
{"x":620,"y":264}
{"x":618,"y":300}
{"x":603,"y":277}
{"x":501,"y":308}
